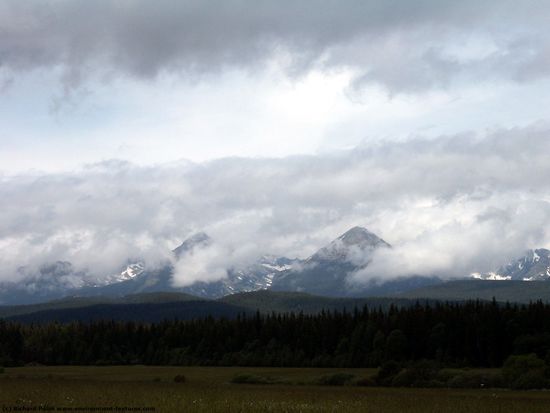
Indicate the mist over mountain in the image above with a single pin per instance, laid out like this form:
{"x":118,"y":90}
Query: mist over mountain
{"x":330,"y":271}
{"x":326,"y":271}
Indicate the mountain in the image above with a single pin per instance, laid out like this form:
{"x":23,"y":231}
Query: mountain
{"x":48,"y":282}
{"x":259,"y":275}
{"x":196,"y":241}
{"x":57,"y":280}
{"x":355,"y":245}
{"x":131,"y":271}
{"x":148,"y":281}
{"x":326,"y":272}
{"x":533,"y":266}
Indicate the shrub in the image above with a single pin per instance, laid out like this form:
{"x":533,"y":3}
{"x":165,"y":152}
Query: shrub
{"x":180,"y":378}
{"x":474,"y":379}
{"x":1,"y":369}
{"x":253,"y":379}
{"x":523,"y":371}
{"x":533,"y":379}
{"x":420,"y":374}
{"x":387,"y":372}
{"x":337,"y":379}
{"x":405,"y":378}
{"x":365,"y":382}
{"x":425,"y":369}
{"x":103,"y":362}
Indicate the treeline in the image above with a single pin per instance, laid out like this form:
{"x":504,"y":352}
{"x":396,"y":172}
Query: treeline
{"x":475,"y":334}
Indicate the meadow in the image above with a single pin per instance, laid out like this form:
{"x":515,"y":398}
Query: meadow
{"x":210,"y":389}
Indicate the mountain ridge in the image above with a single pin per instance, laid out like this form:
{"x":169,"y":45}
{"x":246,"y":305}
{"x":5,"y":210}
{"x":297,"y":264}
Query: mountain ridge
{"x":326,"y":273}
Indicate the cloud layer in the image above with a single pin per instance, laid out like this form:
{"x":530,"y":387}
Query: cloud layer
{"x":403,"y":46}
{"x":449,"y":206}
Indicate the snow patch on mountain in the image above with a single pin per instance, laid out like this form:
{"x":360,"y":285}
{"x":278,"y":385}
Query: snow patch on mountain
{"x":533,"y":266}
{"x":490,"y":276}
{"x":130,"y":272}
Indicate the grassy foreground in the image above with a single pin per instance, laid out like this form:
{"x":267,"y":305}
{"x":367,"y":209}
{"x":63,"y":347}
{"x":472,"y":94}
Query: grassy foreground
{"x":210,"y":390}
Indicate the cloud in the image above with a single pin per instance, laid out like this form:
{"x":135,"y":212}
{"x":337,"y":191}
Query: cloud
{"x":471,"y":236}
{"x":212,"y":262}
{"x":201,"y":265}
{"x":448,"y":206}
{"x":400,"y":45}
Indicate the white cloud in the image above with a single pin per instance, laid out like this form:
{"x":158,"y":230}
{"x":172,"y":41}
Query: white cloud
{"x":448,"y":205}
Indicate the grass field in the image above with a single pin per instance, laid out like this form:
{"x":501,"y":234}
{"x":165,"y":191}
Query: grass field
{"x":210,"y":390}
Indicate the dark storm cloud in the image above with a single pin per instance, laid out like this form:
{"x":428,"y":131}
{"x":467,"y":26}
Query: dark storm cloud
{"x":405,"y":46}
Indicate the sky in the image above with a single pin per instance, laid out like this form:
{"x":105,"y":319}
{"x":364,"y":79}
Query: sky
{"x":126,"y":126}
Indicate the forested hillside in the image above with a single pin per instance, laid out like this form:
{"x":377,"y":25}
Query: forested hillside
{"x":475,"y":334}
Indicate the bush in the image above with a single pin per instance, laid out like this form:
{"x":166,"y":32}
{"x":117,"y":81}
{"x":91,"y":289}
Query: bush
{"x":474,"y":379}
{"x":387,"y":372}
{"x":103,"y":362}
{"x":1,"y":370}
{"x":525,"y":371}
{"x":337,"y":379}
{"x":533,"y":379}
{"x":425,"y":369}
{"x":420,"y":374}
{"x":405,"y":378}
{"x":514,"y":366}
{"x":180,"y":378}
{"x":365,"y":382}
{"x":253,"y":379}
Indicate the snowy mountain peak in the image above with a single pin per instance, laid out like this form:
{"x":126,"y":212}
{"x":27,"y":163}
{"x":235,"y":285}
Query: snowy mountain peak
{"x":200,"y":239}
{"x":362,"y":237}
{"x":355,"y":243}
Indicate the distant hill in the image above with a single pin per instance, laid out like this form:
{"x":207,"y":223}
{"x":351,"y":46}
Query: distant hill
{"x":267,"y":301}
{"x":156,"y":307}
{"x":138,"y":312}
{"x":512,"y":291}
{"x":79,"y":302}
